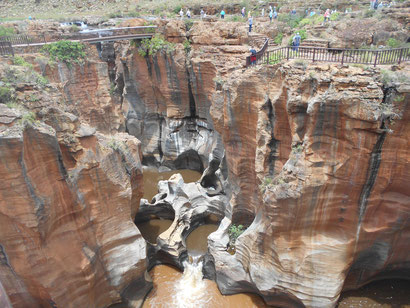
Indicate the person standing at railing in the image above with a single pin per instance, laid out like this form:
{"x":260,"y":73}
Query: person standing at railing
{"x":181,"y":13}
{"x":253,"y":55}
{"x":250,"y":20}
{"x":296,"y":42}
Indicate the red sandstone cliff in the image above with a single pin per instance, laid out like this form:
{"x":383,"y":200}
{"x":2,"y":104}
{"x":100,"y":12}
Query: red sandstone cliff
{"x":335,"y":213}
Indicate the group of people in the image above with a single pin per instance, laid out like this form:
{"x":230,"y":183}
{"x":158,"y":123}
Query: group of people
{"x":375,"y":4}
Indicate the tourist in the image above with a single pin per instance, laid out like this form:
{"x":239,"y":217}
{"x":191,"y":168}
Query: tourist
{"x":376,"y":4}
{"x":372,"y":4}
{"x":243,"y":12}
{"x":270,"y":8}
{"x":253,"y":55}
{"x":327,"y":15}
{"x":188,"y":13}
{"x":181,"y":13}
{"x":270,"y":16}
{"x":275,"y":15}
{"x":202,"y":14}
{"x":250,"y":20}
{"x":296,"y":42}
{"x":293,"y":12}
{"x":222,"y":14}
{"x":249,"y":14}
{"x":263,"y":12}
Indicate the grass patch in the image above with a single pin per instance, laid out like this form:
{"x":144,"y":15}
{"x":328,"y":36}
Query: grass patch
{"x":21,"y":62}
{"x":6,"y":31}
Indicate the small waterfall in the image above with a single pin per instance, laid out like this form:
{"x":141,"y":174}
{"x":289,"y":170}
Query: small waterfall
{"x":191,"y":289}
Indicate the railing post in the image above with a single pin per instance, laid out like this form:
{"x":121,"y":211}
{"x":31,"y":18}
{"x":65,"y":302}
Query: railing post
{"x":314,"y":51}
{"x":375,"y":59}
{"x":343,"y":55}
{"x":401,"y":54}
{"x":287,"y":56}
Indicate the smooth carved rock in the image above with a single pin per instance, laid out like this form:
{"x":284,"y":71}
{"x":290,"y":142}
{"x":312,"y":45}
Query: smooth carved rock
{"x":67,"y":238}
{"x":189,"y":206}
{"x":335,"y":214}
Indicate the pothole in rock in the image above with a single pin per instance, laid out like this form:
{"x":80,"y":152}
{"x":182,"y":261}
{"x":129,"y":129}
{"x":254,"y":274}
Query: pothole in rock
{"x":152,"y":177}
{"x":151,"y":229}
{"x":197,"y":240}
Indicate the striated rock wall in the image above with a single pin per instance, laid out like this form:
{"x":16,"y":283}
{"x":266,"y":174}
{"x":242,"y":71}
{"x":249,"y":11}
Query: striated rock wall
{"x":67,"y":237}
{"x":310,"y":156}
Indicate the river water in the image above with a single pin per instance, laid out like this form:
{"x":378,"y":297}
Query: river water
{"x":172,"y":288}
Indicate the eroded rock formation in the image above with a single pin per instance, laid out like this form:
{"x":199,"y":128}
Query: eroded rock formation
{"x":66,"y":214}
{"x":335,"y":213}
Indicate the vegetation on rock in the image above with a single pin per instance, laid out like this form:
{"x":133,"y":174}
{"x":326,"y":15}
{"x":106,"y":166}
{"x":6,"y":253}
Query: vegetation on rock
{"x":66,"y":51}
{"x":234,"y":232}
{"x":151,"y":46}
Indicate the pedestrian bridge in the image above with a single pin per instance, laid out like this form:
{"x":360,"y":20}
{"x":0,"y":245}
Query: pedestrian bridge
{"x":14,"y":43}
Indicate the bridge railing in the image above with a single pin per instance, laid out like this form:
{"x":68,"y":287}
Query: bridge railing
{"x":6,"y":49}
{"x":23,"y":39}
{"x":259,"y":54}
{"x":335,"y":55}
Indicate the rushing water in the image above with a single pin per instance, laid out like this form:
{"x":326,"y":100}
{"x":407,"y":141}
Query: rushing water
{"x":152,"y":177}
{"x":180,"y":290}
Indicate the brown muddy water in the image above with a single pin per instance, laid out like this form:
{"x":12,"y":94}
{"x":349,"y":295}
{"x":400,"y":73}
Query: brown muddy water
{"x":151,"y":229}
{"x":392,"y":293}
{"x":152,"y":177}
{"x":188,"y":290}
{"x":197,"y":240}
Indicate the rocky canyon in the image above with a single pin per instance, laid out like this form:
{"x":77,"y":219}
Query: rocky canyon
{"x":312,"y":159}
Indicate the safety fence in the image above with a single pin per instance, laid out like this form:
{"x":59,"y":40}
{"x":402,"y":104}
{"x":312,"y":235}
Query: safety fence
{"x":335,"y":55}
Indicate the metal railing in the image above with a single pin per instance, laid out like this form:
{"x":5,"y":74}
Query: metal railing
{"x":91,"y":36}
{"x":259,"y":54}
{"x":6,"y":49}
{"x":335,"y":55}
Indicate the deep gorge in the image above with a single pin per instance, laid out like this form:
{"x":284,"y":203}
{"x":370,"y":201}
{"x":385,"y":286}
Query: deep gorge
{"x":310,"y":159}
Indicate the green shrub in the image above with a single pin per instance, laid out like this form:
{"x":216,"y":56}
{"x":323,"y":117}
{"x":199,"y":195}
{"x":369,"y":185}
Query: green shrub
{"x":302,"y":33}
{"x":5,"y":31}
{"x":393,"y":43}
{"x":74,"y":28}
{"x":278,"y":38}
{"x":335,"y":16}
{"x":267,"y":181}
{"x":177,"y":9}
{"x":151,"y":46}
{"x":291,"y":20}
{"x":21,"y":62}
{"x":117,"y":14}
{"x":6,"y":94}
{"x":28,"y":119}
{"x":369,"y":13}
{"x":187,"y":46}
{"x":66,"y":51}
{"x":297,"y":149}
{"x":234,"y":232}
{"x":188,"y":24}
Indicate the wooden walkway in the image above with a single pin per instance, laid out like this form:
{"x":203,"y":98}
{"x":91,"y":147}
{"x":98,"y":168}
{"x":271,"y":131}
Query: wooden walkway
{"x":332,"y":55}
{"x":15,"y":43}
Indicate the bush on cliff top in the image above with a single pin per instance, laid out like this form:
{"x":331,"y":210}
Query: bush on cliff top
{"x":65,"y":51}
{"x":151,"y":46}
{"x":234,"y":232}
